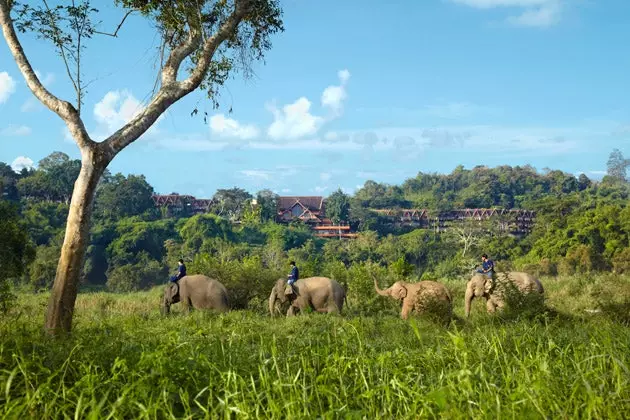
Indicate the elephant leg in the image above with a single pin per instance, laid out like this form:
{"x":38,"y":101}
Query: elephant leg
{"x":332,"y":307}
{"x":291,"y":311}
{"x":406,"y":309}
{"x":490,"y":306}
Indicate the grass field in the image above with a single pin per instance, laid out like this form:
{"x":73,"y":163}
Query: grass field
{"x":124,"y":360}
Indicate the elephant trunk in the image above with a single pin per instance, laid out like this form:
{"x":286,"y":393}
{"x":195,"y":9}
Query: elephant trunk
{"x":379,"y":291}
{"x":468,"y":299}
{"x":272,"y":301}
{"x":166,"y":307}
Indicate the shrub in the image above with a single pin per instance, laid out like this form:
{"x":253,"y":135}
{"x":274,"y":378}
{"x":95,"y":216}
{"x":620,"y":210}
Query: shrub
{"x":144,"y":274}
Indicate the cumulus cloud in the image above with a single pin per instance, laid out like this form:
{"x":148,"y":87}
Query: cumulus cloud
{"x":228,"y":127}
{"x":535,"y":13}
{"x":334,"y":96}
{"x":7,"y":86}
{"x":115,"y":110}
{"x":296,"y":120}
{"x":22,"y":162}
{"x":293,"y":121}
{"x":16,"y":131}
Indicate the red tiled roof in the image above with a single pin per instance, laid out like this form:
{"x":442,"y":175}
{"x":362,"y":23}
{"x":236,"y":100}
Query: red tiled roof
{"x":313,"y":203}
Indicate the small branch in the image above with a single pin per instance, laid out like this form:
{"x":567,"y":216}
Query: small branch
{"x":115,"y":34}
{"x":172,"y":90}
{"x":57,"y":40}
{"x":64,"y":109}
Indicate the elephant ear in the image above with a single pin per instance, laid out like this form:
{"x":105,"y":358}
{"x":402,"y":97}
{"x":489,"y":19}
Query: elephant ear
{"x":401,"y":292}
{"x":174,"y":290}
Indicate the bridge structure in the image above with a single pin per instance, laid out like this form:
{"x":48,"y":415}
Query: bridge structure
{"x":516,"y":221}
{"x":177,"y":203}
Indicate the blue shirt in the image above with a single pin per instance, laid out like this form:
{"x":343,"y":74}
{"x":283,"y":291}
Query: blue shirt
{"x":181,"y":271}
{"x":295,"y":274}
{"x":488,"y":265}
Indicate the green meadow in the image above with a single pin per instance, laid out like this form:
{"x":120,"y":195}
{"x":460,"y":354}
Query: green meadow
{"x":124,"y":360}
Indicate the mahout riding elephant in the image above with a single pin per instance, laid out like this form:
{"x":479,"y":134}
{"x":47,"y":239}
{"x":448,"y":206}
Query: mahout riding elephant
{"x":497,"y":289}
{"x":321,"y":294}
{"x":198,"y":291}
{"x":426,"y":296}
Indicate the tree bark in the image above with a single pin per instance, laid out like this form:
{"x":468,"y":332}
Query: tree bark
{"x":64,"y":291}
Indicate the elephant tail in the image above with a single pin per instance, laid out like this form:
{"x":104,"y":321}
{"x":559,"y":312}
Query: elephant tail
{"x":344,"y":286}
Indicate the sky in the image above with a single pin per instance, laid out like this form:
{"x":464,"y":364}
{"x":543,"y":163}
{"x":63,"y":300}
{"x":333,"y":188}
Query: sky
{"x":351,"y":91}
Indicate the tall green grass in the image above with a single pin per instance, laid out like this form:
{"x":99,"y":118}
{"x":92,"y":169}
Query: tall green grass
{"x":123,"y":360}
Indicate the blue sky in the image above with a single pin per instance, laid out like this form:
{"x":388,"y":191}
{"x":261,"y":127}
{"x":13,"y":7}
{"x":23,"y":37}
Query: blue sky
{"x":356,"y":90}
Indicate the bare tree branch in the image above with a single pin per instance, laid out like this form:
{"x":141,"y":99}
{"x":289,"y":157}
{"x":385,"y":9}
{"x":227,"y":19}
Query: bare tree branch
{"x":64,"y":109}
{"x":115,"y":34}
{"x":62,"y":51}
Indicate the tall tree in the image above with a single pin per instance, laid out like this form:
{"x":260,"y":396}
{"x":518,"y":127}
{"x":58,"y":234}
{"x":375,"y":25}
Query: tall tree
{"x":338,"y":207}
{"x":213,"y":37}
{"x":229,"y":203}
{"x":268,"y":203}
{"x":124,"y":196}
{"x":617,"y":165}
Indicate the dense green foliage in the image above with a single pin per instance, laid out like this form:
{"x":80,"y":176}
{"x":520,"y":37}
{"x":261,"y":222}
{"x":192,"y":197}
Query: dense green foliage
{"x":581,"y":226}
{"x":124,"y":360}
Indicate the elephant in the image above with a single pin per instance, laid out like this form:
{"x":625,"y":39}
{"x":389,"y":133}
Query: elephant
{"x":198,"y":291}
{"x":321,"y":294}
{"x":493,"y":290}
{"x":426,"y":296}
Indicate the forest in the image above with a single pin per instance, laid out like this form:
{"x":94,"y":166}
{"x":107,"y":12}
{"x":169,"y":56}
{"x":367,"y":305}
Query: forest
{"x":581,"y":226}
{"x":124,"y":359}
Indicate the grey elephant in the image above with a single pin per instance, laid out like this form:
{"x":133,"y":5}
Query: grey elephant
{"x":321,"y":294}
{"x":426,"y":296}
{"x":197,"y":291}
{"x":494,"y":290}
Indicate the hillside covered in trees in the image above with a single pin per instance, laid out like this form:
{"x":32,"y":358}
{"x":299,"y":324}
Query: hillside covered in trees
{"x":581,"y":226}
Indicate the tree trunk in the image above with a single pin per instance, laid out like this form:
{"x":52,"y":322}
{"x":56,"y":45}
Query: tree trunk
{"x":65,"y":287}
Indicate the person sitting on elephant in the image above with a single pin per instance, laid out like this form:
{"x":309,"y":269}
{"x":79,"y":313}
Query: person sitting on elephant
{"x":181,"y":271}
{"x":487,"y":266}
{"x":292,"y":278}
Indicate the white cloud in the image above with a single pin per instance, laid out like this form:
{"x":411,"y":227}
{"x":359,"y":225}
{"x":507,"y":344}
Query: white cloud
{"x":293,"y":121}
{"x":286,"y":190}
{"x":257,"y":174}
{"x":22,"y":162}
{"x":7,"y":86}
{"x":115,"y":110}
{"x":16,"y":131}
{"x":543,"y":16}
{"x":325,"y":176}
{"x":319,"y":189}
{"x":334,"y":96}
{"x":536,"y":13}
{"x":228,"y":127}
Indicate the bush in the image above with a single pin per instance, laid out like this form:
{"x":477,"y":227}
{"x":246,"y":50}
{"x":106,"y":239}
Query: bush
{"x":142,"y":275}
{"x":621,"y":262}
{"x":248,"y":282}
